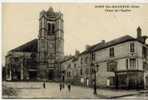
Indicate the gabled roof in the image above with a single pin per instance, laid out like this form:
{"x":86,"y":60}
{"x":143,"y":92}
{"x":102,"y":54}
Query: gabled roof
{"x":102,"y":45}
{"x":114,"y":42}
{"x":30,"y":46}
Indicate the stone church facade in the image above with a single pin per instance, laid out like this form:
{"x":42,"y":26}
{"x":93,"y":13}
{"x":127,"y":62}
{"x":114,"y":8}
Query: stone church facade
{"x":39,"y":59}
{"x":50,"y":43}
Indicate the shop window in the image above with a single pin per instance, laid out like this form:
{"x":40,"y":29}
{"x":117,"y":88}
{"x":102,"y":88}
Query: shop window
{"x":111,"y":81}
{"x":122,"y":79}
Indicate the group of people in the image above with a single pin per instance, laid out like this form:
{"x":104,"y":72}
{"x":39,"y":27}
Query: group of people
{"x":62,"y":86}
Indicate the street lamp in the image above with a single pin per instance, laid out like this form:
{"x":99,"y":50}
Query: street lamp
{"x":63,"y":77}
{"x":94,"y":80}
{"x":95,"y":87}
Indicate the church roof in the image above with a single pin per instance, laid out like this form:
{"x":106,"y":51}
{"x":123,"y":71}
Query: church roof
{"x":30,"y":46}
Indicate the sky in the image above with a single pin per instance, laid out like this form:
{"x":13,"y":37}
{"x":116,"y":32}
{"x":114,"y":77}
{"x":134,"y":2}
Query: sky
{"x":84,"y":24}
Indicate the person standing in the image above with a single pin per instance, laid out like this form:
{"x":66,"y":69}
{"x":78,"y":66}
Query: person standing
{"x":69,"y":87}
{"x":95,"y":87}
{"x":60,"y":86}
{"x":63,"y":85}
{"x":87,"y":82}
{"x":82,"y":81}
{"x":44,"y":85}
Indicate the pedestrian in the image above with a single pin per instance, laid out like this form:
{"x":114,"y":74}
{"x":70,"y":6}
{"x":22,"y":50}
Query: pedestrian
{"x":87,"y":82}
{"x":44,"y":85}
{"x":82,"y":80}
{"x":95,"y":87}
{"x":60,"y":86}
{"x":63,"y":86}
{"x":69,"y":87}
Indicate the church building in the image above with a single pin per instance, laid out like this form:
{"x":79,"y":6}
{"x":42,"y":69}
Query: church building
{"x":39,"y":58}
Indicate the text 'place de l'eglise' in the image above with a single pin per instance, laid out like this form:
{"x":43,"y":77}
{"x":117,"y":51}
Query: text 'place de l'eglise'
{"x":122,"y":62}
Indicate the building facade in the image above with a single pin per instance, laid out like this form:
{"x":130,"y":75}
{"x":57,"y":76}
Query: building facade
{"x":39,"y":58}
{"x":120,"y":63}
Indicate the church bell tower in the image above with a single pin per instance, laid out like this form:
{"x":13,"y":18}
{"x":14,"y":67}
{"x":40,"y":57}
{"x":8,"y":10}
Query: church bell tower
{"x":50,"y":43}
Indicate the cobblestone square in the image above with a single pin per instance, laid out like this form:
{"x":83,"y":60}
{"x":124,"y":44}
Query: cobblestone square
{"x":52,"y":90}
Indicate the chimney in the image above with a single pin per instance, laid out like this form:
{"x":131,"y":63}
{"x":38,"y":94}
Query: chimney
{"x":103,"y":41}
{"x":77,"y":52}
{"x":139,"y":32}
{"x":87,"y":47}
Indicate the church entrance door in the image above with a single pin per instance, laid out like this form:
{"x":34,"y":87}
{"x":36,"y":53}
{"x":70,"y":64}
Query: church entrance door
{"x":32,"y":75}
{"x":50,"y":74}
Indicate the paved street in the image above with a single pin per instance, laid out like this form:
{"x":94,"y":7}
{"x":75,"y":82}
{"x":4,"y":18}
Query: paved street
{"x":36,"y":90}
{"x":139,"y":96}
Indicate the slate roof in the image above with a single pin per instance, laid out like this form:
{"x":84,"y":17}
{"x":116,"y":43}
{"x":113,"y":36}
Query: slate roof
{"x":102,"y":45}
{"x":30,"y":46}
{"x":114,"y":42}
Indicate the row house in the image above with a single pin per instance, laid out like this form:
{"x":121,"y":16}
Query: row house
{"x":120,"y":63}
{"x":76,"y":68}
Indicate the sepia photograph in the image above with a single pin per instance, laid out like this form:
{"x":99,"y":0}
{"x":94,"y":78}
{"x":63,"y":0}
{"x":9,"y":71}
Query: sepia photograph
{"x":74,"y":51}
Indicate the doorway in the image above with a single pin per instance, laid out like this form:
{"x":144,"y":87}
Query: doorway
{"x":50,"y":74}
{"x":32,"y":75}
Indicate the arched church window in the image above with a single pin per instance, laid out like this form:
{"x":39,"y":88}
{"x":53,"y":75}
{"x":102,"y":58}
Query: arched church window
{"x":49,"y":28}
{"x":53,"y":28}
